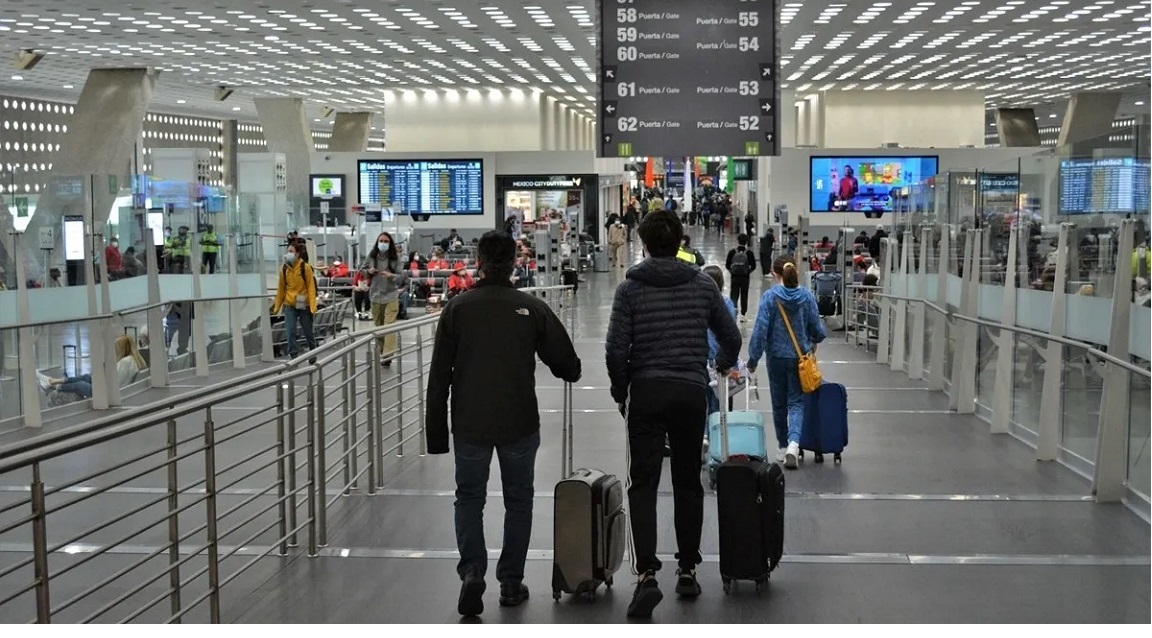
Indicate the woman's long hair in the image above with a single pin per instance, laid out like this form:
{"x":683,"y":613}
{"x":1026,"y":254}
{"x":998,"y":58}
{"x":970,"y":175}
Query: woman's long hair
{"x":126,"y":347}
{"x":785,"y":269}
{"x":391,"y":255}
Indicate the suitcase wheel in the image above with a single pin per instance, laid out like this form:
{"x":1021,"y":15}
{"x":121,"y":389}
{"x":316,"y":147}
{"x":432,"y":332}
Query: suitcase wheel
{"x":727,"y":585}
{"x":837,"y":458}
{"x":761,"y":584}
{"x":608,"y":583}
{"x":819,"y":458}
{"x":555,"y":596}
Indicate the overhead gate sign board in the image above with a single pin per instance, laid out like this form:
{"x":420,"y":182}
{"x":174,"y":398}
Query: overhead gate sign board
{"x":685,"y":78}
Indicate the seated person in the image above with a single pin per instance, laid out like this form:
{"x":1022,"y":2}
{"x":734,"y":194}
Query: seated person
{"x":460,"y":281}
{"x":133,"y":267}
{"x":867,"y":310}
{"x":857,"y":256}
{"x":416,"y":262}
{"x":129,"y":362}
{"x":438,"y":262}
{"x":859,"y":272}
{"x":338,"y":269}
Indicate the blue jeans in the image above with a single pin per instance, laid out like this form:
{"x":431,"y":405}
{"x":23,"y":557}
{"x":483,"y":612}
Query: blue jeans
{"x":517,"y":475}
{"x":291,"y":316}
{"x":81,"y":385}
{"x":787,"y":399}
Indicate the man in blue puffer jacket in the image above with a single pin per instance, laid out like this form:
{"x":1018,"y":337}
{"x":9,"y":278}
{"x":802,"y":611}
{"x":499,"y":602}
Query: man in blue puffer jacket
{"x":657,"y":353}
{"x":771,"y":335}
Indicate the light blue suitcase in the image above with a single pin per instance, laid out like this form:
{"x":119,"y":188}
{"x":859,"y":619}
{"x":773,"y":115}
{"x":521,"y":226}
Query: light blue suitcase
{"x":746,"y":436}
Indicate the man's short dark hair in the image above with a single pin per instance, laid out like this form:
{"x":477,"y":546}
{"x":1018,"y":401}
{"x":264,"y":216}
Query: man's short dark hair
{"x":742,"y":239}
{"x":661,"y":232}
{"x":496,"y":254}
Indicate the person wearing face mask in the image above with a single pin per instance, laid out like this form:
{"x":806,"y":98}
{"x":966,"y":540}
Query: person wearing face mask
{"x":617,"y":241}
{"x":179,"y":250}
{"x":296,"y":298}
{"x":460,"y":281}
{"x":113,"y":260}
{"x":386,"y":275}
{"x":133,"y":267}
{"x":209,"y":250}
{"x":338,"y":269}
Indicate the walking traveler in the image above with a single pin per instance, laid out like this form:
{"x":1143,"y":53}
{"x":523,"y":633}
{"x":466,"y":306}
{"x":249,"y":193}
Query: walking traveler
{"x":484,"y":358}
{"x":767,"y":245}
{"x":296,"y":298}
{"x":617,"y":242}
{"x":656,"y":353}
{"x":385,"y":275}
{"x":787,"y":321}
{"x":741,"y":263}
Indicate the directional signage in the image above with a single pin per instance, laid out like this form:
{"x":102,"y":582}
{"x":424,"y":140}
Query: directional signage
{"x":685,"y":78}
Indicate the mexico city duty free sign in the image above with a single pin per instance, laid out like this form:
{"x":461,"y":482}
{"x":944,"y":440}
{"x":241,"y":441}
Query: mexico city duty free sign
{"x":685,"y":78}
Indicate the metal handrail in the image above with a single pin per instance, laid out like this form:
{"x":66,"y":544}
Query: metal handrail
{"x":122,"y":313}
{"x":1095,"y":352}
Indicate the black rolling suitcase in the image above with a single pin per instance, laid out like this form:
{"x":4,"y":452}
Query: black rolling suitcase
{"x":750,"y":511}
{"x":589,"y":522}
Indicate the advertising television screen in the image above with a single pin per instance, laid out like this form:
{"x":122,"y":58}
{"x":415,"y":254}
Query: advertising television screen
{"x":327,"y":186}
{"x":1116,"y":185}
{"x":73,"y":238}
{"x":864,"y":184}
{"x":439,"y":187}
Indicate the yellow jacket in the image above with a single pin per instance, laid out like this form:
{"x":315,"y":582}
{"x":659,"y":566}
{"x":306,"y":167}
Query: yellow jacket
{"x":297,"y":279}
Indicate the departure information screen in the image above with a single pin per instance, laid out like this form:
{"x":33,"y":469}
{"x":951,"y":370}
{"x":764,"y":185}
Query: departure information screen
{"x":1105,"y":185}
{"x":439,"y":187}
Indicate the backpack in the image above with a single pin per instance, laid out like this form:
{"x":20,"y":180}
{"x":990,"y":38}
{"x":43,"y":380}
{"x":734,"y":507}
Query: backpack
{"x":740,"y":267}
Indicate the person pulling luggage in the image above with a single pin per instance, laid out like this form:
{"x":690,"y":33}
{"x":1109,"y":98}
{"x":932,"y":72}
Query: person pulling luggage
{"x":785,"y":310}
{"x":493,"y":327}
{"x":656,"y":353}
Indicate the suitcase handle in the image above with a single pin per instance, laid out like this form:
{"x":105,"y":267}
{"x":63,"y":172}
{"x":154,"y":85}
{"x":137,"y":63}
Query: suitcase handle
{"x":566,"y":467}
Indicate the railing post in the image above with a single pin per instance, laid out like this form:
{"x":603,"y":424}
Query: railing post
{"x":372,"y":422}
{"x":40,"y":549}
{"x":939,"y":351}
{"x":293,"y":540}
{"x":1051,"y":394}
{"x":420,"y":372}
{"x":311,"y":491}
{"x":173,"y":525}
{"x":916,"y":355}
{"x":379,"y":391}
{"x":318,"y":416}
{"x":970,"y":333}
{"x":349,"y":390}
{"x":400,"y":414}
{"x":960,"y":351}
{"x":883,"y":341}
{"x":1006,"y":345}
{"x":281,"y":471}
{"x":1112,"y":433}
{"x":210,"y":506}
{"x":900,"y":307}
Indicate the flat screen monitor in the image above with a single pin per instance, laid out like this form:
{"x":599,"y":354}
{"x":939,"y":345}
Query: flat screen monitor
{"x":327,"y":186}
{"x":864,"y":184}
{"x":73,"y":239}
{"x":1103,"y":186}
{"x":438,"y":187}
{"x":156,"y":225}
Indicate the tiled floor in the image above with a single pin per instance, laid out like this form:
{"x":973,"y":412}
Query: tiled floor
{"x":928,"y":519}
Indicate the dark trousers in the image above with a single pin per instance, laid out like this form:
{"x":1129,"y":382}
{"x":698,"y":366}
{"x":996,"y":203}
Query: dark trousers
{"x":291,"y":316}
{"x":766,"y":261}
{"x":517,"y":475}
{"x":659,"y":409}
{"x":360,"y":299}
{"x":208,"y":261}
{"x":739,"y":294}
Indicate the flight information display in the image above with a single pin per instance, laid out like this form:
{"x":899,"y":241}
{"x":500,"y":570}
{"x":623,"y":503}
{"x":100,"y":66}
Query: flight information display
{"x":1103,"y":186}
{"x":438,"y":187}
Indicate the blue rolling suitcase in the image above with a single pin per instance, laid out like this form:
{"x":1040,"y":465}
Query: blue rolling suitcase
{"x":746,"y":435}
{"x":825,"y":429}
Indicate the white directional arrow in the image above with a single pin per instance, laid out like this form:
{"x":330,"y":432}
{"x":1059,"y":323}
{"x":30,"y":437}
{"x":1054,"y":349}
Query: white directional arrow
{"x":767,"y":107}
{"x":610,"y":109}
{"x":610,"y":74}
{"x":607,"y":139}
{"x":766,"y":72}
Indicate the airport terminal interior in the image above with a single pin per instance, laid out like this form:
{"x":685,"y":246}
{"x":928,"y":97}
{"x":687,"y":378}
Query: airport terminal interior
{"x":213,"y":409}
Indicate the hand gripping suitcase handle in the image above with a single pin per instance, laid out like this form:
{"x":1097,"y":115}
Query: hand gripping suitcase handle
{"x":566,"y":467}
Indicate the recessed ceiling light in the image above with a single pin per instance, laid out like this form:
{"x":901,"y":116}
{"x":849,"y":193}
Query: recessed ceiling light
{"x":69,"y":86}
{"x":17,"y":77}
{"x":235,"y":108}
{"x":181,"y":101}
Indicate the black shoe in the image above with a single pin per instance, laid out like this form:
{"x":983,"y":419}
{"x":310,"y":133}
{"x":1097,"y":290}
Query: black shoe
{"x":471,"y":601}
{"x":387,"y":363}
{"x":513,"y":594}
{"x":686,"y":584}
{"x":646,"y":597}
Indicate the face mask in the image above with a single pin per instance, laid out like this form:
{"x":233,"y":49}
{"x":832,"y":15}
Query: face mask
{"x":290,"y":258}
{"x":115,"y":244}
{"x":383,"y":246}
{"x":336,"y":263}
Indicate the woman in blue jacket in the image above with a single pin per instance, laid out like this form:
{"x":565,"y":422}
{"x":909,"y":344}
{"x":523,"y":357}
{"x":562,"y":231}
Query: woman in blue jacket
{"x":771,"y":336}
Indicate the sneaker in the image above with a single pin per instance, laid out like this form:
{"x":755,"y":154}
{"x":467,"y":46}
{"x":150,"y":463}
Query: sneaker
{"x":781,"y":454}
{"x":646,"y":597}
{"x":471,"y":602}
{"x":513,"y":594}
{"x":686,"y":584}
{"x":790,"y":456}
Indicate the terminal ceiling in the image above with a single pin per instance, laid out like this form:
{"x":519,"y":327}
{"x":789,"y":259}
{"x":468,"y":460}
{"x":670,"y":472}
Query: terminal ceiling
{"x":344,"y":54}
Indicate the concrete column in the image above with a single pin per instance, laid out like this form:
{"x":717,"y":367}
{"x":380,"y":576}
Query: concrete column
{"x":788,"y":133}
{"x":229,"y":150}
{"x":816,"y":120}
{"x":1088,"y":116}
{"x":100,"y":141}
{"x":572,"y":136}
{"x":286,"y":129}
{"x":1017,"y":127}
{"x":803,"y":123}
{"x":548,"y":108}
{"x":350,"y":132}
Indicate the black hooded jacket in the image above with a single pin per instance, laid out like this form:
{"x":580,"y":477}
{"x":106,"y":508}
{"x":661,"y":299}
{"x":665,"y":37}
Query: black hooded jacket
{"x":659,"y":326}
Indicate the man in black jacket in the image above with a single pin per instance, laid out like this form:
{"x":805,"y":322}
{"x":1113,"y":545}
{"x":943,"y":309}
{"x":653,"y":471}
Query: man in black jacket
{"x":741,"y":263}
{"x":656,"y":352}
{"x":487,"y":340}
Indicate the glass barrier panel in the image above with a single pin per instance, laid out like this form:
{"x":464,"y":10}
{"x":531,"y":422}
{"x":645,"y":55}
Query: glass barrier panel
{"x":11,"y":399}
{"x":1082,"y":388}
{"x":133,"y":339}
{"x":1139,"y":418}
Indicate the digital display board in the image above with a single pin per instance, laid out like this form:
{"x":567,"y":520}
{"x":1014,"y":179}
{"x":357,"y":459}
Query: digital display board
{"x":866,"y":184}
{"x":681,"y":78}
{"x":1103,"y":186}
{"x":327,"y":186}
{"x":438,"y":187}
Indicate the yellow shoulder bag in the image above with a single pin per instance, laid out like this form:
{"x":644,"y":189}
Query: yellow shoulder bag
{"x":810,"y":378}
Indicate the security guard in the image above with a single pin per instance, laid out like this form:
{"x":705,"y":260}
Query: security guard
{"x":179,"y":251}
{"x":209,"y":249}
